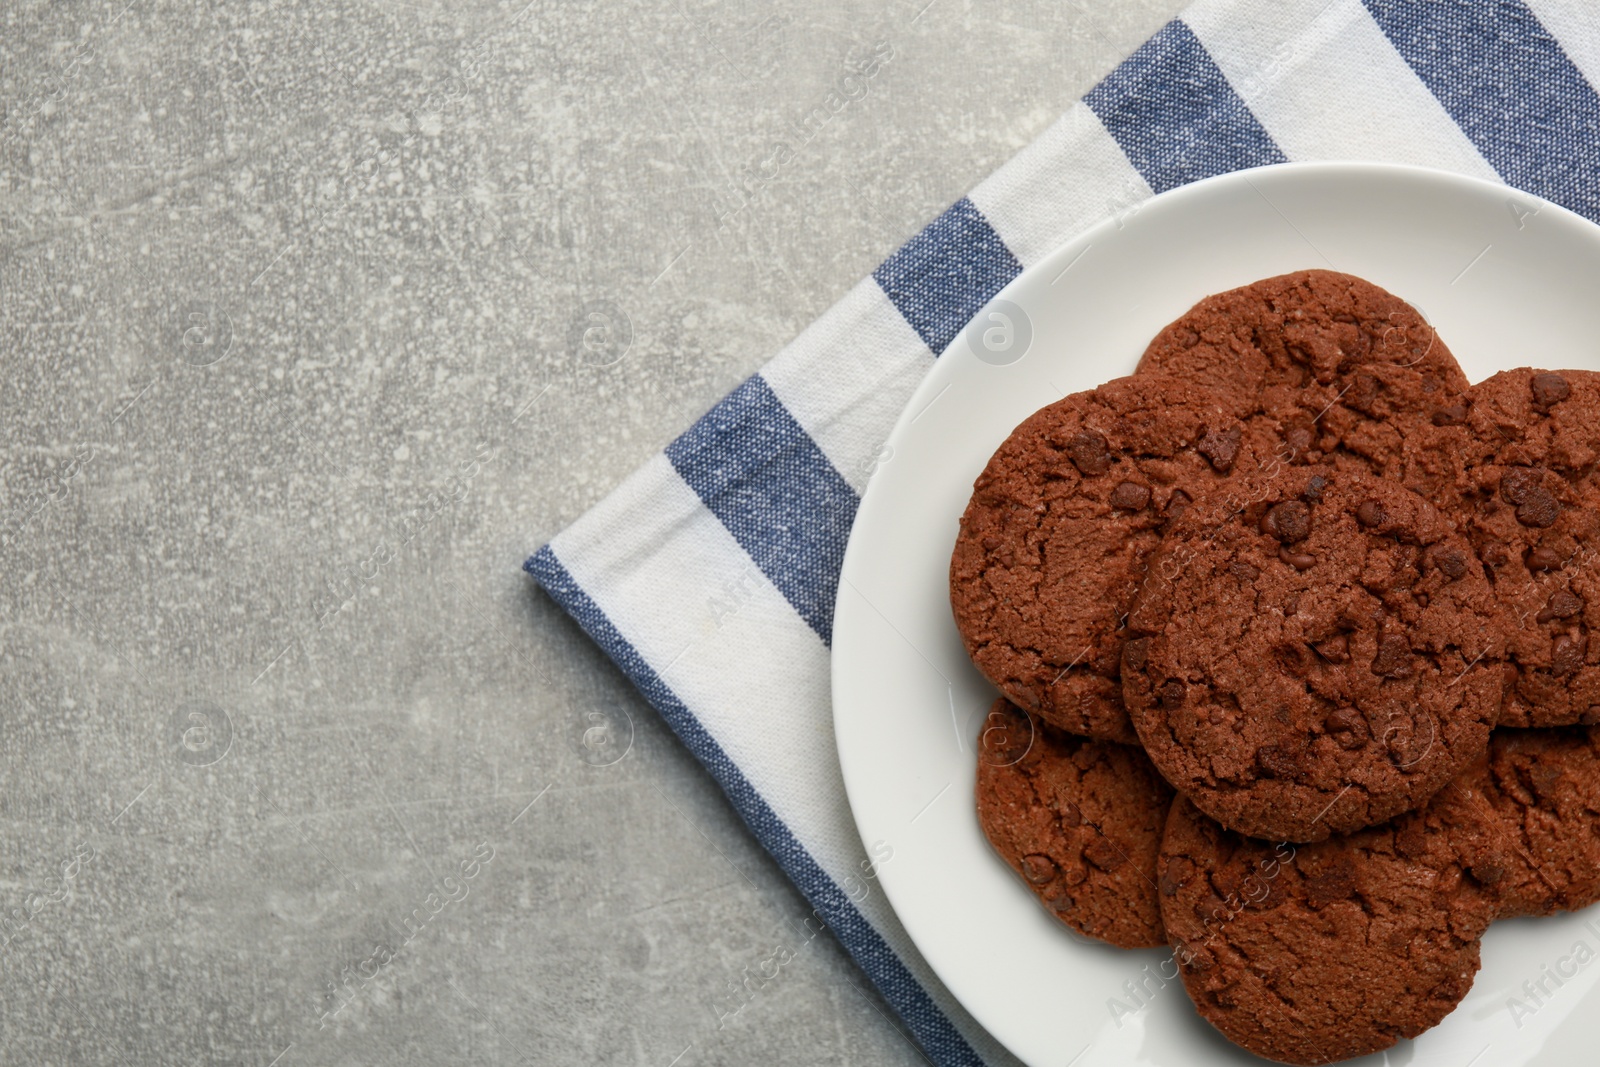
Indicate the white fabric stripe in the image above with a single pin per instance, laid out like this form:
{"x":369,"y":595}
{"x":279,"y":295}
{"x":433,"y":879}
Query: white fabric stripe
{"x":691,"y":602}
{"x":688,"y":598}
{"x":848,"y":376}
{"x":1575,"y":24}
{"x":1326,"y":84}
{"x":1074,"y":175}
{"x":682,"y":591}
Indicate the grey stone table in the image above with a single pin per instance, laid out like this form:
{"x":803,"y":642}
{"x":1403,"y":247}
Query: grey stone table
{"x":291,"y":753}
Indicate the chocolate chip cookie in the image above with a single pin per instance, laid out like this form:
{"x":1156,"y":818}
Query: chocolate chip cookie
{"x":1053,"y":542}
{"x":1312,"y":652}
{"x":1079,"y":820}
{"x":1313,"y":953}
{"x":1353,"y":369}
{"x":1531,"y":507}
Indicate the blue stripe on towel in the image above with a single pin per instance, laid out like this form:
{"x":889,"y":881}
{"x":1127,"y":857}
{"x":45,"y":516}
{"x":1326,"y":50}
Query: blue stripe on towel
{"x":1510,"y":87}
{"x":942,"y":276}
{"x":1175,"y":115}
{"x":758,"y":471}
{"x":872,"y":954}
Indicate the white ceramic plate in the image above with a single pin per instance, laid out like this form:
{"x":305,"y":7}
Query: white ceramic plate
{"x":1508,"y":281}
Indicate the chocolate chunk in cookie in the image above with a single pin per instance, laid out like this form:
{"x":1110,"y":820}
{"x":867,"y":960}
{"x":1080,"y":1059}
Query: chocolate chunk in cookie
{"x":1054,"y":539}
{"x":1315,"y":662}
{"x":1531,"y":508}
{"x":1313,"y":953}
{"x":1079,"y":821}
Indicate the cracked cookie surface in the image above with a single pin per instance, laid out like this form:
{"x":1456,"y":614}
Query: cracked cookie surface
{"x":1053,"y":542}
{"x":1366,"y":375}
{"x":1079,"y":821}
{"x":1309,"y":954}
{"x":1527,"y":820}
{"x":1313,"y":953}
{"x":1531,"y":507}
{"x":1312,"y":652}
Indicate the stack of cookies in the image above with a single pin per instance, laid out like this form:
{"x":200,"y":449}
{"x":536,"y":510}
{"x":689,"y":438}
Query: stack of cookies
{"x":1292,"y":627}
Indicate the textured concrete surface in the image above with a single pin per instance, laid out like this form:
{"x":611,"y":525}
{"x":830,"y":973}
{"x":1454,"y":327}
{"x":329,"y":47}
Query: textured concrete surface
{"x":287,"y":298}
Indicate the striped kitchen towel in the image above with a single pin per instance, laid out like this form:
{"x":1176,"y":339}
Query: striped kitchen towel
{"x":709,"y":575}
